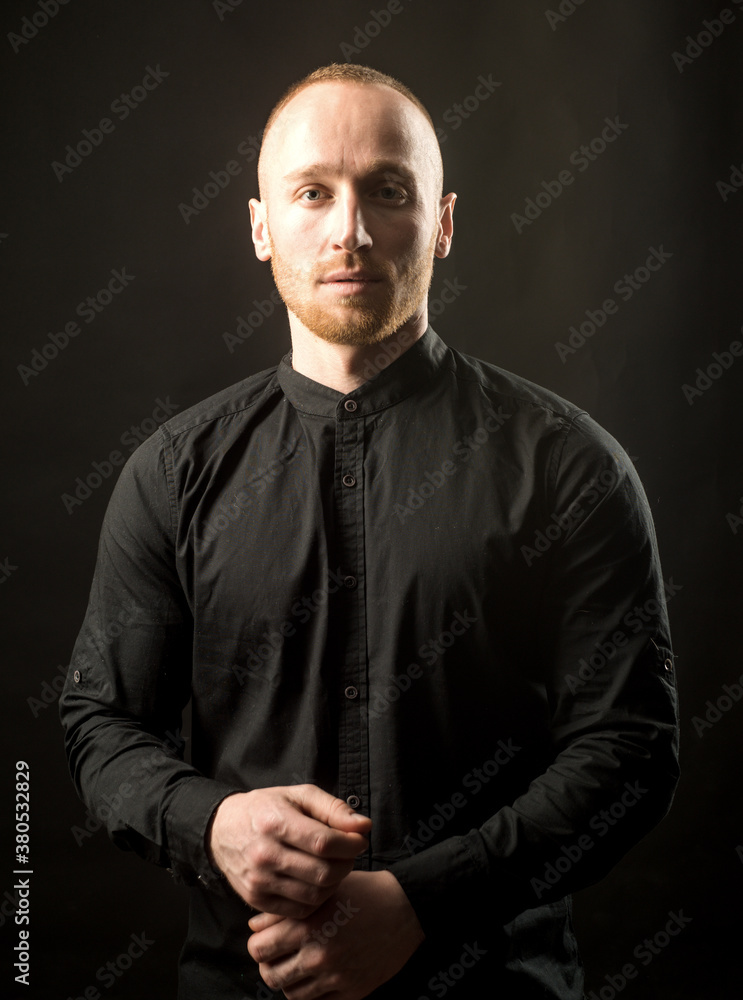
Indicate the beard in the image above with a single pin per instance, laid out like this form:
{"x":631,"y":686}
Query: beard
{"x":353,"y":319}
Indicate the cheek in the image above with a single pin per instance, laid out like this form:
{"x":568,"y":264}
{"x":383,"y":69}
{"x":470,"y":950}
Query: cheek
{"x":296,"y":244}
{"x":417,"y":240}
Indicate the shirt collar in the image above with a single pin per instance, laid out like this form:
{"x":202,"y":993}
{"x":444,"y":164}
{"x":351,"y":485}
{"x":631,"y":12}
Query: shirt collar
{"x":392,"y":380}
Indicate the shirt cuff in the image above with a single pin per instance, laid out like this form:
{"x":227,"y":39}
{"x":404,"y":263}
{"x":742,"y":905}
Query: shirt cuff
{"x":188,"y":818}
{"x":442,"y":881}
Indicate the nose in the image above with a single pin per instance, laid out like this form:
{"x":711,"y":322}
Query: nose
{"x":349,"y":227}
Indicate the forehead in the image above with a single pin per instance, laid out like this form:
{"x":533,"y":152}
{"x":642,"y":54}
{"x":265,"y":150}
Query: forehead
{"x":349,"y":126}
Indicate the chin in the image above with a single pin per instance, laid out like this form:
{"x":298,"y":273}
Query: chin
{"x":350,"y":336}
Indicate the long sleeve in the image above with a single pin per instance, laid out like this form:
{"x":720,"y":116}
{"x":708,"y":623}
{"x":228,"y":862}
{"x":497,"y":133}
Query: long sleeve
{"x":378,"y":593}
{"x":605,"y":670}
{"x":130,"y":679}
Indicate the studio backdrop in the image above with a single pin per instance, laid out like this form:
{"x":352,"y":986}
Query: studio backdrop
{"x":595,"y":147}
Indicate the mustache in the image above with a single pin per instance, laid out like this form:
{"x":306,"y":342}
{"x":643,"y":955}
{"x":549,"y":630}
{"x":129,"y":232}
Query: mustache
{"x":352,"y":262}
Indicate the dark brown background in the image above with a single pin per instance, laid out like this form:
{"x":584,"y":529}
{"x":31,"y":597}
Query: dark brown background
{"x":162,"y":337}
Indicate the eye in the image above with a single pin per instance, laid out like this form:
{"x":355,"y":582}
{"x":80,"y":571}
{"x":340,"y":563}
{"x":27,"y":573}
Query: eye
{"x":312,"y":195}
{"x":389,"y":193}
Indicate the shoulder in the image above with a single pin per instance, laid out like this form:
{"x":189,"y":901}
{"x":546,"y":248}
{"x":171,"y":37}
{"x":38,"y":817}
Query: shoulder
{"x":234,"y":401}
{"x":541,"y":421}
{"x":509,"y":389}
{"x":199,"y":433}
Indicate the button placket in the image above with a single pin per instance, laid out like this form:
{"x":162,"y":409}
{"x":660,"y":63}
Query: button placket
{"x":353,"y":743}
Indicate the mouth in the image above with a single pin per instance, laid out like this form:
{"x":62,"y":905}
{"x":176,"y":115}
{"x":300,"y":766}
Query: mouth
{"x":350,"y":282}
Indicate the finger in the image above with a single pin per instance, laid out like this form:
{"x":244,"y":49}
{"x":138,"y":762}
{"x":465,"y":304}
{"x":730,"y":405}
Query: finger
{"x":279,"y":942}
{"x":317,"y":838}
{"x":263,"y":920}
{"x":329,"y":809}
{"x":281,"y":896}
{"x":321,"y":873}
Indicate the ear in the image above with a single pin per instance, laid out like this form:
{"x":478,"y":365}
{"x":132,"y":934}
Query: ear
{"x":259,"y":227}
{"x":446,"y":225}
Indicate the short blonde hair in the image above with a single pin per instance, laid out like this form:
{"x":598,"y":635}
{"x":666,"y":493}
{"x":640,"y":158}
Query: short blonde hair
{"x":341,"y":73}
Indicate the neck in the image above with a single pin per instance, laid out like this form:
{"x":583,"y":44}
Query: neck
{"x":344,"y":367}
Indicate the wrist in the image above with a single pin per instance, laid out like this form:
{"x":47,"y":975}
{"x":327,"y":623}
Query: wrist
{"x":210,"y":840}
{"x":408,"y":922}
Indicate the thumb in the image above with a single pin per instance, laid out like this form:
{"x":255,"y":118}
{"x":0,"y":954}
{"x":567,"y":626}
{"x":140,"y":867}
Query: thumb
{"x":263,"y":920}
{"x":332,"y":811}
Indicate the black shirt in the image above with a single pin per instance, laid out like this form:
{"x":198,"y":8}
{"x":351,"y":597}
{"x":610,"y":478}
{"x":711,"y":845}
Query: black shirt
{"x":437,"y":597}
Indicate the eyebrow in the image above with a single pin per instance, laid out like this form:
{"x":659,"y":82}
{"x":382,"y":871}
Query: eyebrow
{"x":374,"y":168}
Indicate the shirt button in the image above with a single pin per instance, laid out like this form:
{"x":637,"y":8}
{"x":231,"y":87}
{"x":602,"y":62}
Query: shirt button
{"x":351,"y":692}
{"x":353,"y":801}
{"x":350,"y":405}
{"x":349,"y":480}
{"x":76,"y":677}
{"x":668,"y":664}
{"x":349,"y":582}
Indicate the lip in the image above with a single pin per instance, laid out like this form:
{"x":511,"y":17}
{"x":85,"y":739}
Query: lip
{"x":352,"y":277}
{"x":345,"y":283}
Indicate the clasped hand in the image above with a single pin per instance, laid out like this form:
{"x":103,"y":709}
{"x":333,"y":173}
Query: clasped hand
{"x":325,"y":930}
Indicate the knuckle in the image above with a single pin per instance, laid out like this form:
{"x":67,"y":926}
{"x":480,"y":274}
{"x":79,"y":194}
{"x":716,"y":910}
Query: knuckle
{"x":334,"y":981}
{"x":320,"y":844}
{"x":316,"y":895}
{"x":255,"y":884}
{"x":315,"y":960}
{"x":270,"y":978}
{"x":268,"y":819}
{"x":324,"y":876}
{"x":261,"y":856}
{"x":255,"y":950}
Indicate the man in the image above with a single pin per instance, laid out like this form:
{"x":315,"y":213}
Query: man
{"x":416,"y":603}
